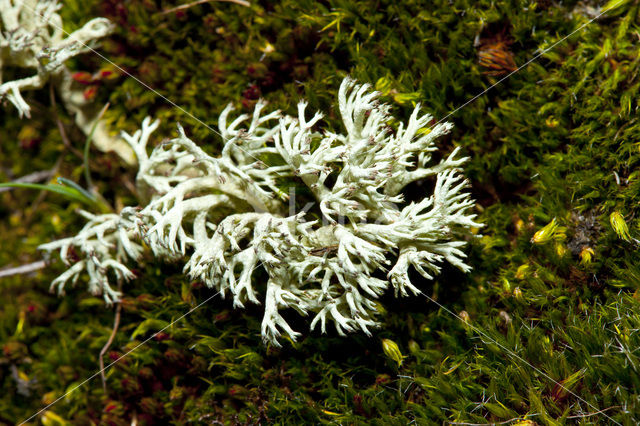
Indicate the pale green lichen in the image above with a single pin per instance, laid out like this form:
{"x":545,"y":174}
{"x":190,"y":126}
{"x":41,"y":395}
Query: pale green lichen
{"x":329,"y":267}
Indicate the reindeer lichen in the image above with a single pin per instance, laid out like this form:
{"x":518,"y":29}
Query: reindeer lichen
{"x":333,"y":268}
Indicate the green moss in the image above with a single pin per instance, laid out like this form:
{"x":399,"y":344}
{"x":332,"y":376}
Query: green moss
{"x":556,"y":139}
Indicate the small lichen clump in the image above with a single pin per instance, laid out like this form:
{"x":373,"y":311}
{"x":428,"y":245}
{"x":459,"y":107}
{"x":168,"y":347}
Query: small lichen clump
{"x":32,"y":37}
{"x":227,"y":216}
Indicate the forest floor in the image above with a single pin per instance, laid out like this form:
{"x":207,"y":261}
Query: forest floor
{"x":542,"y":331}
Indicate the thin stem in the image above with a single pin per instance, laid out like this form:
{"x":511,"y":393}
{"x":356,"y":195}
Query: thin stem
{"x":23,"y":269}
{"x":87,"y":145}
{"x":105,"y":348}
{"x":195,"y":3}
{"x":63,"y":133}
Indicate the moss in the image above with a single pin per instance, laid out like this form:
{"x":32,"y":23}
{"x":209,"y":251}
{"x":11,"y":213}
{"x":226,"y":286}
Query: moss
{"x":558,"y":139}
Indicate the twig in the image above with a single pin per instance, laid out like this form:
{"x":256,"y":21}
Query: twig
{"x":22,"y":269}
{"x":195,"y":3}
{"x":130,"y":186}
{"x":105,"y":348}
{"x":593,"y":414}
{"x":87,"y":146}
{"x":63,"y":133}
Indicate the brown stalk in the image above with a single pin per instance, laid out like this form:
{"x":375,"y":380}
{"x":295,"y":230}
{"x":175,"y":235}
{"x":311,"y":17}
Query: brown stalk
{"x":105,"y":348}
{"x":195,"y":3}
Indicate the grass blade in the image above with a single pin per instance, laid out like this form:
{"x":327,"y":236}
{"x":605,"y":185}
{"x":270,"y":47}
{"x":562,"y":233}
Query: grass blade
{"x":69,"y":192}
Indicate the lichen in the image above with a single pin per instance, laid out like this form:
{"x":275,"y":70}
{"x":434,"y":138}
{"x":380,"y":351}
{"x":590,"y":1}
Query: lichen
{"x":328,"y":269}
{"x":32,"y":37}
